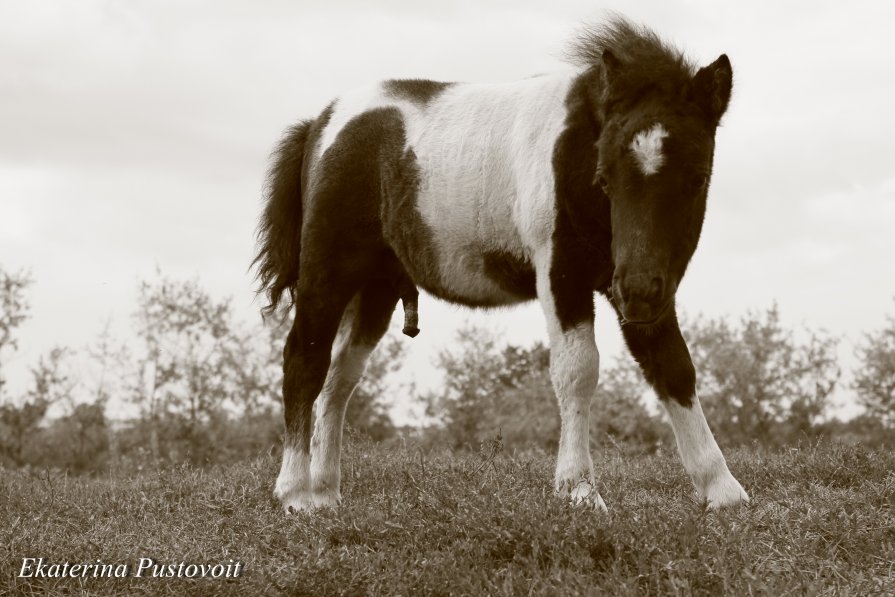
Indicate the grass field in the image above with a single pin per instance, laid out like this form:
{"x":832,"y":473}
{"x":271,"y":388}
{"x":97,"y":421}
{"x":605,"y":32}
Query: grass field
{"x":821,"y":521}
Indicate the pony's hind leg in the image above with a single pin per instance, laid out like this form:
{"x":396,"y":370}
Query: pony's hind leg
{"x":363,"y":325}
{"x":306,"y":360}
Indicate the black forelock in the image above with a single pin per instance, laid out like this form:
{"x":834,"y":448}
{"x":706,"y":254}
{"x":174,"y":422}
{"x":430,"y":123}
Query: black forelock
{"x":639,"y":48}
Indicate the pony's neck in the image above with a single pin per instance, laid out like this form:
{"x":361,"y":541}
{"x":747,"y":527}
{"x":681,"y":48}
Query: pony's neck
{"x":586,"y":101}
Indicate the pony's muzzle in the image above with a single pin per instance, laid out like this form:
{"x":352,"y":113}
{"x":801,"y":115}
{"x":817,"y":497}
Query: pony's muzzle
{"x":640,"y":297}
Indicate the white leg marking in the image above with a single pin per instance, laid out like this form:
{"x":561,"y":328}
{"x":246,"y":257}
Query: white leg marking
{"x":326,"y":446}
{"x":309,"y":481}
{"x":292,"y":488}
{"x":702,"y":457}
{"x":574,"y":370}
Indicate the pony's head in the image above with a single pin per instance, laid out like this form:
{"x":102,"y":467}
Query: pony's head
{"x":657,"y":116}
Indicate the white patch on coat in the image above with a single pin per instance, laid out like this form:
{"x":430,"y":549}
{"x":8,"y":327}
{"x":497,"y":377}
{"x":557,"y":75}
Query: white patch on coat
{"x":485,"y":154}
{"x":355,"y":103}
{"x":647,"y":149}
{"x":486,"y":165}
{"x":702,"y":457}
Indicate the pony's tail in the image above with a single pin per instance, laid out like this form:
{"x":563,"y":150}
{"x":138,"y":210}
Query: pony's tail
{"x":279,"y":232}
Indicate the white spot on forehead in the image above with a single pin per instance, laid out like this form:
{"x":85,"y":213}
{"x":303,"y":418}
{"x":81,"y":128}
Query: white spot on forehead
{"x":647,"y":148}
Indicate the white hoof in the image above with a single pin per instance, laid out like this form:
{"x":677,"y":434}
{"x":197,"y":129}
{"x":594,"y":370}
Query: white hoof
{"x":307,"y":501}
{"x":584,"y":493}
{"x":724,"y":491}
{"x":299,"y":501}
{"x":293,"y":482}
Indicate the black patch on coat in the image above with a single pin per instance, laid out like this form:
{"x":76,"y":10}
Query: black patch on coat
{"x":343,"y":252}
{"x":403,"y":227}
{"x":420,"y":91}
{"x":662,"y":354}
{"x":512,"y":273}
{"x":376,"y":302}
{"x":582,"y":236}
{"x":342,"y":235}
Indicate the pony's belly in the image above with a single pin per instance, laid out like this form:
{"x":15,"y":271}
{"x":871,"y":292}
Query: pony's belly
{"x":478,"y":278}
{"x":449,"y":260}
{"x":457,"y":267}
{"x":479,"y":259}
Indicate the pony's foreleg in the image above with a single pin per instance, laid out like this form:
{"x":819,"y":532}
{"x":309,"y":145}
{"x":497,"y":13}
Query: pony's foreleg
{"x":667,"y":366}
{"x":363,"y":325}
{"x":701,"y":456}
{"x":574,"y":371}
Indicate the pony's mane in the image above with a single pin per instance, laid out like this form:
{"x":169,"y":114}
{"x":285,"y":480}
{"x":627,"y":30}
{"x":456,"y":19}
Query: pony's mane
{"x":635,"y":45}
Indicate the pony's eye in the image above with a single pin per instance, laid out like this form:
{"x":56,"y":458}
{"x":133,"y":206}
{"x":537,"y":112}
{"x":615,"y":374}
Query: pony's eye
{"x":601,"y":180}
{"x":699,"y":182}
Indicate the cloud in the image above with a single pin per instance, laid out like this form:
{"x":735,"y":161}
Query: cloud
{"x":136,"y":134}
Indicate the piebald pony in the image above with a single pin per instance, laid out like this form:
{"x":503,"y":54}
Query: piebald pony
{"x":550,"y":188}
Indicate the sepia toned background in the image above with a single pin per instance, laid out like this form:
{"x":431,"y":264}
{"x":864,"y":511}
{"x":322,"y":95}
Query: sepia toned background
{"x":140,"y":410}
{"x":135,"y":136}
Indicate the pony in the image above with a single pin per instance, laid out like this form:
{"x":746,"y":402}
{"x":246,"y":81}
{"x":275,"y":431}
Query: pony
{"x":553,"y":188}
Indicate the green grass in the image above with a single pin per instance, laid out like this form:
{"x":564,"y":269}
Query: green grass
{"x":821,"y":521}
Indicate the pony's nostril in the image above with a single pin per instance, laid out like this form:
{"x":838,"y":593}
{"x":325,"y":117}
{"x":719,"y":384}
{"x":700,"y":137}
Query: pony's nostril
{"x":657,"y":287}
{"x":618,"y":292}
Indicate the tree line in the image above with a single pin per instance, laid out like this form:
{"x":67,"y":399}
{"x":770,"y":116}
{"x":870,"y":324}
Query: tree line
{"x":203,"y":387}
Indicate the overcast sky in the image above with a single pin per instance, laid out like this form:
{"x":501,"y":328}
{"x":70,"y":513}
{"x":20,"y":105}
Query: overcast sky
{"x":136,"y":134}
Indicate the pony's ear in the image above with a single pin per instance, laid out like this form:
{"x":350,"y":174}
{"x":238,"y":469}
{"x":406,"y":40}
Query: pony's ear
{"x":610,"y":72}
{"x":611,"y":66}
{"x":711,"y":87}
